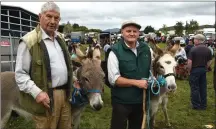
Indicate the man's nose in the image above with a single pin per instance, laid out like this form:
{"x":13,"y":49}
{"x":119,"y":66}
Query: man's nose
{"x":52,"y":20}
{"x":132,"y":33}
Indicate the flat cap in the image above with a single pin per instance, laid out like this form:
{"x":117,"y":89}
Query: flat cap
{"x":199,"y":37}
{"x":130,"y":23}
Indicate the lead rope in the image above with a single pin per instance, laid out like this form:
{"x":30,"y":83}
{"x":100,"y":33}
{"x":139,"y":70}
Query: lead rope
{"x":151,"y":81}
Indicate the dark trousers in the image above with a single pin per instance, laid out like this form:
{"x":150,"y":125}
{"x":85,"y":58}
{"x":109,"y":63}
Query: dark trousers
{"x":126,"y":115}
{"x":198,"y":87}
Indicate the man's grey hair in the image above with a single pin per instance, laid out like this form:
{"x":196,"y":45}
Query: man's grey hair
{"x":50,"y":6}
{"x":200,"y":37}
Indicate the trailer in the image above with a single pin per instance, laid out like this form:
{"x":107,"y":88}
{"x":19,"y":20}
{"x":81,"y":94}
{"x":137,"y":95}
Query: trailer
{"x":104,"y":37}
{"x":15,"y":23}
{"x":77,"y":37}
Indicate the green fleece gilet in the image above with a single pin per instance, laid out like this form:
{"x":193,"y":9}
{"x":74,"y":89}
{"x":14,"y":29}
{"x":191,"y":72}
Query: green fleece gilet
{"x":131,"y":67}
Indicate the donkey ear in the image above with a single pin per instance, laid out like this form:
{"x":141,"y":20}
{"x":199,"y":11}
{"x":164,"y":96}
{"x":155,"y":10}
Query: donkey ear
{"x":156,"y":49}
{"x":97,"y":53}
{"x":89,"y":52}
{"x":175,"y":48}
{"x":79,"y":54}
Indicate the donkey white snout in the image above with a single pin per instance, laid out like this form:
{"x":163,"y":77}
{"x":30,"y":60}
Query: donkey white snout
{"x":96,"y":101}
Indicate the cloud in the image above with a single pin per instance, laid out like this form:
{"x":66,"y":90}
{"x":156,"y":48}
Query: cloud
{"x":104,"y":15}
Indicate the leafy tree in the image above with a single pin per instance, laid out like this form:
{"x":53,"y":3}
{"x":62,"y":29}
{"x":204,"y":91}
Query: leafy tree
{"x":95,"y":30}
{"x":187,"y":31}
{"x":193,"y":26}
{"x":75,"y":26}
{"x":164,"y":29}
{"x":67,"y":28}
{"x":179,"y":28}
{"x":148,"y":29}
{"x":158,"y":33}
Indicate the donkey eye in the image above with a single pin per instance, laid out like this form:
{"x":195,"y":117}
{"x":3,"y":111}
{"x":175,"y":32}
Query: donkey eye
{"x":161,"y":67}
{"x":86,"y":79}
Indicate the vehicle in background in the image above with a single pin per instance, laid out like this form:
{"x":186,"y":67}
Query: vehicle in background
{"x":77,"y":37}
{"x":104,"y":37}
{"x":181,"y":39}
{"x":209,"y":33}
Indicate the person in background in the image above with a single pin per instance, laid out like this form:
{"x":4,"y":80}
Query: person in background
{"x":214,"y":77}
{"x":199,"y":60}
{"x":180,"y":54}
{"x":106,"y":48}
{"x":212,"y":52}
{"x":170,"y":44}
{"x":187,"y":40}
{"x":188,"y":47}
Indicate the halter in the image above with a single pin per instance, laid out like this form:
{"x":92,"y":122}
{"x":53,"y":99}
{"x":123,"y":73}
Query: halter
{"x":79,"y":96}
{"x":169,"y":74}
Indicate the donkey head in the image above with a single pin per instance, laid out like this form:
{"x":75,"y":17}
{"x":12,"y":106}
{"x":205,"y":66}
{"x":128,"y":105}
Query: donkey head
{"x":91,"y":76}
{"x":164,"y":64}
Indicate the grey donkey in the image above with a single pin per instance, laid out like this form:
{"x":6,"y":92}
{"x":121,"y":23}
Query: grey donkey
{"x":89,"y":73}
{"x":91,"y":76}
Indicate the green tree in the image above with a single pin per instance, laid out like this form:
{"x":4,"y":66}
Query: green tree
{"x":158,"y":33}
{"x":67,"y":28}
{"x":149,"y":29}
{"x":164,"y":29}
{"x":83,"y":28}
{"x":95,"y":30}
{"x":75,"y":26}
{"x":193,"y":26}
{"x":187,"y":31}
{"x":179,"y":28}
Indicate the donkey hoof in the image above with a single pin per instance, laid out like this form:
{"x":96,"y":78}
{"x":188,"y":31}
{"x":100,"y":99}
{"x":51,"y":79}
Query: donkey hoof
{"x":168,"y":125}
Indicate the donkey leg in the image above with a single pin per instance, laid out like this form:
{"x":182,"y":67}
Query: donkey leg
{"x":76,"y":115}
{"x":21,"y":112}
{"x":152,"y":121}
{"x":153,"y":111}
{"x":5,"y":118}
{"x":164,"y":108}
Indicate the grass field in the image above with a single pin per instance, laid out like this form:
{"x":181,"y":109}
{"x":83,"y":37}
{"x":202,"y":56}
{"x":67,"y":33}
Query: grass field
{"x":180,"y":114}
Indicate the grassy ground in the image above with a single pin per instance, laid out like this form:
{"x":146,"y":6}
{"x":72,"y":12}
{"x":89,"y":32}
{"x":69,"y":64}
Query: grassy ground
{"x":180,"y":114}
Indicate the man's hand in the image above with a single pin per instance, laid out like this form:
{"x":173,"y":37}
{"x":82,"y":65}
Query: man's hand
{"x":76,"y":84}
{"x":43,"y":98}
{"x":142,"y":84}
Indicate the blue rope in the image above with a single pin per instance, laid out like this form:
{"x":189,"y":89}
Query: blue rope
{"x":78,"y":91}
{"x":160,"y":81}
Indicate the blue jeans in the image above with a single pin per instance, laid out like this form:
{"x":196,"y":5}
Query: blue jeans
{"x":198,"y":87}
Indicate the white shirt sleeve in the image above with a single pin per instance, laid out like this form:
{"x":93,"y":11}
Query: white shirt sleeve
{"x":113,"y":68}
{"x":22,"y":76}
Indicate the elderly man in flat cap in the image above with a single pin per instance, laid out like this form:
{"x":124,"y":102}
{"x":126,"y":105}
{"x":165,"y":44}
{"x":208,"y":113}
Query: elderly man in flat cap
{"x":129,"y":61}
{"x":43,"y":72}
{"x":198,"y":61}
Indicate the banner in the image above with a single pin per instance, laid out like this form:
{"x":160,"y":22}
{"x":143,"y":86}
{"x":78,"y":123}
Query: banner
{"x":5,"y":44}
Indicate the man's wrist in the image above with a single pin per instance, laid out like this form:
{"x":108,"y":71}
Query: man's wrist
{"x":35,"y":91}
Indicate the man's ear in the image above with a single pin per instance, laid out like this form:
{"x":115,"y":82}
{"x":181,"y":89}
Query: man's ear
{"x":39,"y":16}
{"x":121,"y":31}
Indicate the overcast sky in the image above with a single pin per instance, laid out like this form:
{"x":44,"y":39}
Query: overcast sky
{"x":106,"y":15}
